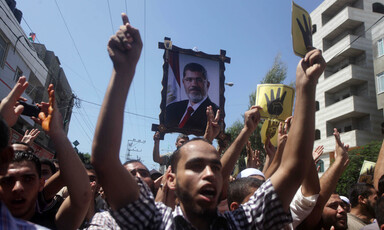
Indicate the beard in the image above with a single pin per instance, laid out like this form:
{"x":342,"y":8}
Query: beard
{"x":196,"y":96}
{"x":189,"y":204}
{"x":371,"y":209}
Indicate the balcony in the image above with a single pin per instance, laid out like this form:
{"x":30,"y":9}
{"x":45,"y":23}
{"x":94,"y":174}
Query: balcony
{"x":347,"y":47}
{"x":352,"y":138}
{"x":346,"y":20}
{"x":333,"y":7}
{"x":350,"y":75}
{"x":350,"y":107}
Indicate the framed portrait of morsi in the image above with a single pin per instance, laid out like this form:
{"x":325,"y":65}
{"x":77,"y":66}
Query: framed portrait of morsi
{"x":192,"y":81}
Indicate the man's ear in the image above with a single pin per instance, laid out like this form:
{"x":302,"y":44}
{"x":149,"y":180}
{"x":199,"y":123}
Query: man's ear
{"x":234,"y":206}
{"x":361,"y":199}
{"x":208,"y":84}
{"x":41,"y":184}
{"x":171,"y":181}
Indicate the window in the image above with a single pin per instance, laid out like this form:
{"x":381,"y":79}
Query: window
{"x":348,"y":128}
{"x":3,"y":50}
{"x":18,"y":73}
{"x":317,"y":134}
{"x":380,"y":47}
{"x":317,"y":106}
{"x":321,"y":164}
{"x":380,"y":83}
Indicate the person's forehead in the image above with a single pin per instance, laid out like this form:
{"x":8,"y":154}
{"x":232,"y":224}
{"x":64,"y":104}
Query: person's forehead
{"x":135,"y":165}
{"x":91,"y":172}
{"x":334,"y":198}
{"x":192,"y":74}
{"x":373,"y":192}
{"x":21,"y":168}
{"x":198,"y":149}
{"x":183,"y":139}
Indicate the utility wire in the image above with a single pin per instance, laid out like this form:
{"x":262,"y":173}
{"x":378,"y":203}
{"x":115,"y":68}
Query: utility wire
{"x":110,"y":16}
{"x":77,"y":50}
{"x":30,"y":29}
{"x":139,"y":115}
{"x":342,"y":50}
{"x":86,"y":134}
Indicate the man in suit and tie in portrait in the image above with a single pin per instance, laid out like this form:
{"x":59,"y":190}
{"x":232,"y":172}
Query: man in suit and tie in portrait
{"x":191,"y":113}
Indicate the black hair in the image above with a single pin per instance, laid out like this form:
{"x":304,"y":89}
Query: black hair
{"x":182,"y":136}
{"x":379,"y":210}
{"x":176,"y":154}
{"x":29,"y":148}
{"x":89,"y":167}
{"x":132,"y":161}
{"x":381,"y":186}
{"x":359,"y":189}
{"x":48,"y":162}
{"x":195,"y":67}
{"x":21,"y":156}
{"x":241,"y":188}
{"x":4,"y":134}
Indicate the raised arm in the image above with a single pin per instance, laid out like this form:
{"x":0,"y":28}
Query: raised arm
{"x":379,"y":169}
{"x":275,"y":160}
{"x":124,"y":49}
{"x":30,"y":136}
{"x":156,"y":149}
{"x":328,"y":182}
{"x":297,"y":153}
{"x":251,"y":120}
{"x":72,"y":212}
{"x":10,"y":110}
{"x":213,"y":127}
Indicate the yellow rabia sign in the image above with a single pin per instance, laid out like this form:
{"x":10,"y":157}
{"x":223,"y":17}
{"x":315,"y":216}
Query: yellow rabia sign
{"x":276,"y":100}
{"x":277,"y":103}
{"x":301,"y":30}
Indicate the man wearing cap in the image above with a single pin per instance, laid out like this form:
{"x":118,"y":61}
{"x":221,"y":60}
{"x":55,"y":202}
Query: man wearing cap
{"x":251,"y":172}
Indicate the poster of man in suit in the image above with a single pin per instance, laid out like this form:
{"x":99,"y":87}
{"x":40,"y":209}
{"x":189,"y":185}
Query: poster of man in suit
{"x":193,"y":84}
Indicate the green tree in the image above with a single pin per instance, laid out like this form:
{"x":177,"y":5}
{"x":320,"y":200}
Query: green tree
{"x":275,"y":75}
{"x":85,"y":157}
{"x":357,"y":156}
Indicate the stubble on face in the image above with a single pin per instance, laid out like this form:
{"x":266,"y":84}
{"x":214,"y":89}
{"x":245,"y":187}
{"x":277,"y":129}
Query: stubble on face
{"x":198,"y":174}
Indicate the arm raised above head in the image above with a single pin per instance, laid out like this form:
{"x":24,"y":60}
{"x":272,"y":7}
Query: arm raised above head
{"x":72,"y":172}
{"x":230,"y":157}
{"x":297,"y":154}
{"x":124,"y":49}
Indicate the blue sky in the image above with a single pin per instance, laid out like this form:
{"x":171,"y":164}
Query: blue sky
{"x":252,"y":33}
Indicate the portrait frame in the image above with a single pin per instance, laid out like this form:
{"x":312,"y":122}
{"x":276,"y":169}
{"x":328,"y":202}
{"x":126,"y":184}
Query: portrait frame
{"x":173,"y":91}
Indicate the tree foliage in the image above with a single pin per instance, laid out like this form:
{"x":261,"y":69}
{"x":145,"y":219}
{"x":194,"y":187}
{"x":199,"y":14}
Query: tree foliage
{"x":275,"y":75}
{"x":84,"y":157}
{"x":357,"y":156}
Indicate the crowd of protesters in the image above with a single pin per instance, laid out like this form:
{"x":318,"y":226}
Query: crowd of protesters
{"x":196,"y":189}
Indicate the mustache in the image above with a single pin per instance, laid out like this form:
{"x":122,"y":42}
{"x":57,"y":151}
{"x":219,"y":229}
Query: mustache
{"x":194,"y":88}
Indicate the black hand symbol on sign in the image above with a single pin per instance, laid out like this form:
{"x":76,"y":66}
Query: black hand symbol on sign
{"x":275,"y":106}
{"x":307,"y":33}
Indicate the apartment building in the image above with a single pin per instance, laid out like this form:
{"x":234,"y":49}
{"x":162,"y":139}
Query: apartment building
{"x":21,"y":57}
{"x":378,"y":63}
{"x":346,"y":94}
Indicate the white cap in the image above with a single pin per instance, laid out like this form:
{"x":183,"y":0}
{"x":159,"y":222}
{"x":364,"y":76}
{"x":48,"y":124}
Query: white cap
{"x":249,"y":172}
{"x":345,"y":199}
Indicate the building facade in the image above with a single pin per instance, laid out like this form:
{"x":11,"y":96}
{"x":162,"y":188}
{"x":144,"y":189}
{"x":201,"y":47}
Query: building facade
{"x":378,"y":63}
{"x":345,"y":94}
{"x":21,"y":57}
